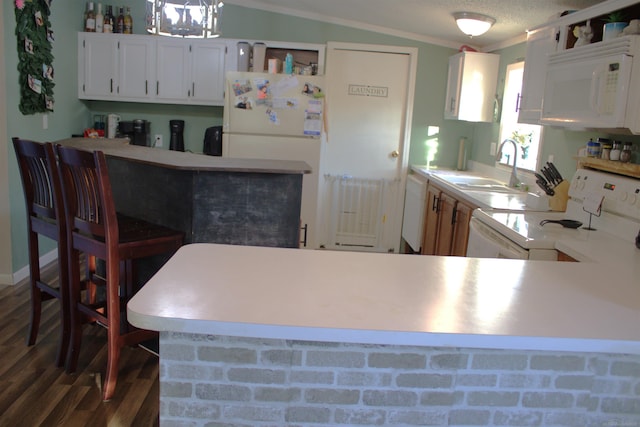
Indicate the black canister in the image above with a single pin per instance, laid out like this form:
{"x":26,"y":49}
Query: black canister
{"x":177,"y":135}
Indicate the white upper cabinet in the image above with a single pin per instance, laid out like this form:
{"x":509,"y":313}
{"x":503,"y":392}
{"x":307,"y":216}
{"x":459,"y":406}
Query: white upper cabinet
{"x":136,"y":68}
{"x":192,"y":72}
{"x":173,"y":70}
{"x":97,"y":66}
{"x":540,"y":43}
{"x":140,"y":68}
{"x":471,"y":86}
{"x":115,"y":67}
{"x":207,"y":61}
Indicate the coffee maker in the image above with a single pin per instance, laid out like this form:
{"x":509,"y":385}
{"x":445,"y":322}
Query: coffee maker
{"x":213,"y":141}
{"x":177,"y":135}
{"x":138,"y":131}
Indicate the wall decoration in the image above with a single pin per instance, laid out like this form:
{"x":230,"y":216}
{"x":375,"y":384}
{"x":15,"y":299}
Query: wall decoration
{"x":35,"y":60}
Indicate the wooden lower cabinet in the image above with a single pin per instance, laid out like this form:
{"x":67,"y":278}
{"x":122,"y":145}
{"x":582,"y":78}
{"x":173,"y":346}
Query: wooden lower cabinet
{"x":431,"y":221}
{"x":446,"y":230}
{"x":461,"y":229}
{"x":566,"y":258}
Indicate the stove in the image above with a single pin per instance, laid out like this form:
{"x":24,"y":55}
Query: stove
{"x":519,"y":235}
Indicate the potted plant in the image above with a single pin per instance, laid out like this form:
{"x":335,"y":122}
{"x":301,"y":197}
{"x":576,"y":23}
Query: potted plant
{"x":614,"y":24}
{"x":524,"y":140}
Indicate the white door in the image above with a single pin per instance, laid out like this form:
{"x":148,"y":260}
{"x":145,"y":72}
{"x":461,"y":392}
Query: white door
{"x":369,"y":108}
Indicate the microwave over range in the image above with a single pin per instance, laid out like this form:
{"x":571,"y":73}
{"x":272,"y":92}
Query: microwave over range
{"x":596,"y":86}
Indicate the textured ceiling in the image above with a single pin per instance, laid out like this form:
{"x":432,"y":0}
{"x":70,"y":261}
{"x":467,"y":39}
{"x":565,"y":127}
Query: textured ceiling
{"x":426,"y":20}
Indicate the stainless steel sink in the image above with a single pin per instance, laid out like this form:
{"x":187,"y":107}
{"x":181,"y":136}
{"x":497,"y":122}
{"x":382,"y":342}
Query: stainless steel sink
{"x":476,"y":183}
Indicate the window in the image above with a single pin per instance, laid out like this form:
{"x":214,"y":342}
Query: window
{"x":527,"y":136}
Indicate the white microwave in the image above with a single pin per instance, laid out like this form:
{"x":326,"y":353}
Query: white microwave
{"x":594,"y":86}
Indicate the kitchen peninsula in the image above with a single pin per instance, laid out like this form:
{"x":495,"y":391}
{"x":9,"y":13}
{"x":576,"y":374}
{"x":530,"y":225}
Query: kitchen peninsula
{"x":286,"y":337}
{"x":211,"y":199}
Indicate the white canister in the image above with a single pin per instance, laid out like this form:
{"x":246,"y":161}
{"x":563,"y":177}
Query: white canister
{"x":259,"y":53}
{"x":244,"y":53}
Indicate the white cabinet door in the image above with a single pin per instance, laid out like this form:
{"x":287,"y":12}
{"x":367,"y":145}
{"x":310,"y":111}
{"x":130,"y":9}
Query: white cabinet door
{"x":454,"y":82}
{"x":207,"y":79}
{"x":173,"y":70}
{"x":471,"y":86}
{"x":540,"y":43}
{"x":97,"y":66}
{"x":143,"y":68}
{"x":137,"y":57}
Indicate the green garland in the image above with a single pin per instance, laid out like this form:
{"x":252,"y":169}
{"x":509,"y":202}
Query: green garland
{"x":35,"y":60}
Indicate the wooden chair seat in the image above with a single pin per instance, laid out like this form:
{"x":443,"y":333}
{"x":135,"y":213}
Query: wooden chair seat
{"x":44,"y":208}
{"x":94,"y":228}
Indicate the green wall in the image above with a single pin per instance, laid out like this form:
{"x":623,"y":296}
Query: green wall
{"x":68,"y":112}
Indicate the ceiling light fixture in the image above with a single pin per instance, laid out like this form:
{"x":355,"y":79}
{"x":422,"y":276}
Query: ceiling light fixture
{"x":473,"y":24}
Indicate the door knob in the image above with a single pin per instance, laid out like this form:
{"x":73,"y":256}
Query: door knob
{"x":395,"y":153}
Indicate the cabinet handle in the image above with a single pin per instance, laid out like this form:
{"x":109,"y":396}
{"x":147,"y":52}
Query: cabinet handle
{"x":453,"y":105}
{"x":454,"y":215}
{"x":518,"y":98}
{"x":304,"y":239}
{"x":193,"y":89}
{"x":157,"y":87}
{"x":435,"y":205}
{"x":146,"y":87}
{"x":110,"y":85}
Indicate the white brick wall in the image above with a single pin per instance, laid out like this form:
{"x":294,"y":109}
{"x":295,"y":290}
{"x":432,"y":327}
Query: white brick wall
{"x":217,"y":381}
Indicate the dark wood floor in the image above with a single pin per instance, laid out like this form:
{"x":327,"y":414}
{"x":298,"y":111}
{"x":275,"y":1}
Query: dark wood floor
{"x":34,"y":392}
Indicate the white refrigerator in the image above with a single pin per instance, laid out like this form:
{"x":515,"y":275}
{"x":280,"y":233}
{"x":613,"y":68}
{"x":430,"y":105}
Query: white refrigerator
{"x":278,"y":116}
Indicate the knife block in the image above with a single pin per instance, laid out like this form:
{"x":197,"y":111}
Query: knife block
{"x":558,"y":202}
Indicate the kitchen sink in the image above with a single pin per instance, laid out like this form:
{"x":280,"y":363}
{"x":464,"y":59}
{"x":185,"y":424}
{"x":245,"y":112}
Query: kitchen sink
{"x":494,"y":188}
{"x":476,"y":183}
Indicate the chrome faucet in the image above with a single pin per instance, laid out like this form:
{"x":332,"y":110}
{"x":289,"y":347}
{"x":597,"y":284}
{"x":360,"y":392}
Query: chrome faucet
{"x":514,"y":181}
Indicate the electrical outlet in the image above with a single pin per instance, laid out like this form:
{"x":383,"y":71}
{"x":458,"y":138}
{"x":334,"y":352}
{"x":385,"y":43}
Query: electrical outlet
{"x":550,"y":158}
{"x":158,"y":141}
{"x":492,"y":148}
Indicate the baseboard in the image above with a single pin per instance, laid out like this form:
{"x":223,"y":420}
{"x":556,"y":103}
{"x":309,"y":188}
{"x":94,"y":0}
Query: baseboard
{"x":23,"y":273}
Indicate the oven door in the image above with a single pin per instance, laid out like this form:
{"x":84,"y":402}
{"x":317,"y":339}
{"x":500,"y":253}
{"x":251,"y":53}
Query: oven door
{"x":485,"y":242}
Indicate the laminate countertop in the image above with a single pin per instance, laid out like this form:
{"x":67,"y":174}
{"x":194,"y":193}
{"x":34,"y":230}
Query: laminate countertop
{"x":121,"y":148}
{"x":393,"y":299}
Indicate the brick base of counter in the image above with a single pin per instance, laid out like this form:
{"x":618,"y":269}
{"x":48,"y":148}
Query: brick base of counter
{"x":215,"y":381}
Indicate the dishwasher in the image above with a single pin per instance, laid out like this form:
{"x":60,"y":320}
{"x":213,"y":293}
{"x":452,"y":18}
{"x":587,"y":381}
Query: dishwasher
{"x":414,"y":207}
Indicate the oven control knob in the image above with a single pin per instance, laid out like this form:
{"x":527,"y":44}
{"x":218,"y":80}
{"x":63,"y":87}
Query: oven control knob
{"x":581,"y":185}
{"x":623,"y":196}
{"x":632,"y":199}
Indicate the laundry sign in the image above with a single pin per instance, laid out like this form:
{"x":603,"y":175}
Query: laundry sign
{"x":364,"y":90}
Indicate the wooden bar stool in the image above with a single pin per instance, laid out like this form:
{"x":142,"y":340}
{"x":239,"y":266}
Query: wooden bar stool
{"x":94,"y":228}
{"x":45,"y":210}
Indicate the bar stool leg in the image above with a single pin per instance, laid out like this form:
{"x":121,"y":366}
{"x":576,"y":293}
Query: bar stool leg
{"x":75,"y":332}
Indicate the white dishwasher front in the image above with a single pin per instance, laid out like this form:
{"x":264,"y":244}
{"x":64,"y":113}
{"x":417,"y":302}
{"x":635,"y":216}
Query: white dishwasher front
{"x":414,"y":206}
